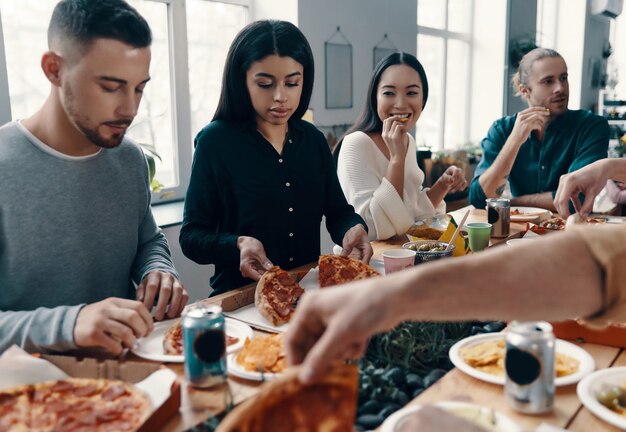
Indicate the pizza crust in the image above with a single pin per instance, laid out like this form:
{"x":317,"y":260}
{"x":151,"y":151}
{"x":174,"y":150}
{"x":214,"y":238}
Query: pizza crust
{"x":172,"y":339}
{"x":276,"y":295}
{"x":327,"y":405}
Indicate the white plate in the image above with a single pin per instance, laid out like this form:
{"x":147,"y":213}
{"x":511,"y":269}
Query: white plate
{"x":250,"y":315}
{"x":502,"y":422}
{"x":236,"y":369}
{"x":586,"y":365}
{"x":528,"y":213}
{"x":588,"y":387}
{"x":151,"y":347}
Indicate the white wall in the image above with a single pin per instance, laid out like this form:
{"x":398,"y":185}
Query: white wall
{"x":286,"y":10}
{"x":5,"y":104}
{"x":194,"y":277}
{"x":364,"y":23}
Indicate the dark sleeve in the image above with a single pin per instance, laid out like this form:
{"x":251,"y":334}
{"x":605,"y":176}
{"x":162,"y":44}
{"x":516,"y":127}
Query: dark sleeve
{"x":491,"y":146}
{"x":199,"y":238}
{"x":593,"y":144}
{"x":340,"y":216}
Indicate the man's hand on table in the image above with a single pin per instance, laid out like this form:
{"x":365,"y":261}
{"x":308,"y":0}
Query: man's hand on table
{"x":112,"y":324}
{"x":169,"y":291}
{"x":356,"y":244}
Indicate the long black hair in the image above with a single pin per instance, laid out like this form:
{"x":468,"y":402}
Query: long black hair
{"x":368,"y":120}
{"x":253,"y":43}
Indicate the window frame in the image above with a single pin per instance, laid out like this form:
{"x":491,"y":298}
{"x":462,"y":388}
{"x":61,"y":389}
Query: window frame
{"x":179,"y":87}
{"x":447,"y":35}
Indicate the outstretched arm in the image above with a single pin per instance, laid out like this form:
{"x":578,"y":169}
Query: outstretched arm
{"x":542,"y":200}
{"x":589,"y":181}
{"x":336,"y":323}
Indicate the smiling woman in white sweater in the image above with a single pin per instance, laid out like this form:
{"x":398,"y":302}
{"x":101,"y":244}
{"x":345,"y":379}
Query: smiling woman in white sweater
{"x":377,"y":164}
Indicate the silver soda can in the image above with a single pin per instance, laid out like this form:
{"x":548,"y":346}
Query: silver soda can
{"x":204,"y":345}
{"x":529,"y":367}
{"x":499,"y":216}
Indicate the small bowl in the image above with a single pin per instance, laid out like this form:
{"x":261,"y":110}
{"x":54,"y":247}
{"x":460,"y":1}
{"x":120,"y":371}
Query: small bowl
{"x":425,"y":256}
{"x":428,"y":229}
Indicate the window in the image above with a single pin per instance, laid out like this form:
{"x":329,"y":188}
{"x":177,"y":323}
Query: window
{"x":190,"y":41}
{"x":444,"y":46}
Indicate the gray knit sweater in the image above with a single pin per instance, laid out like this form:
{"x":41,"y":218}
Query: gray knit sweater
{"x":73,"y":231}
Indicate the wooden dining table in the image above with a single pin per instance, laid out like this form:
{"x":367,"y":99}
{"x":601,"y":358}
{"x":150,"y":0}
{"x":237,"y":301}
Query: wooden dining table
{"x":568,"y":413}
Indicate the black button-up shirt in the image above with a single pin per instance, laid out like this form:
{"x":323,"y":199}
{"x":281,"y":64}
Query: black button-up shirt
{"x":240,"y":186}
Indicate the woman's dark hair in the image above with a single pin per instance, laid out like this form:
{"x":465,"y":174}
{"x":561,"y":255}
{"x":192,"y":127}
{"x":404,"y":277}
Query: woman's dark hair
{"x":84,"y":21}
{"x":253,"y":43}
{"x":368,"y":120}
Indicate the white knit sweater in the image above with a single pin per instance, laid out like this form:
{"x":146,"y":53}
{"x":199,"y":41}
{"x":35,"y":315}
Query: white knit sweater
{"x":362,"y":168}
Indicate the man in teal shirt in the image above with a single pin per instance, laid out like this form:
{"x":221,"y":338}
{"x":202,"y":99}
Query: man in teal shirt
{"x":534,"y":147}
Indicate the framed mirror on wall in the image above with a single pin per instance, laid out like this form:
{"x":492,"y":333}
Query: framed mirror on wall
{"x":382,"y":49}
{"x":338,"y":69}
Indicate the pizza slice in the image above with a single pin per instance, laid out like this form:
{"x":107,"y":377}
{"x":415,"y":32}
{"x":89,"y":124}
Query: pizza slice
{"x":285,"y":404}
{"x":173,"y":339}
{"x":336,"y":270}
{"x":276,"y":295}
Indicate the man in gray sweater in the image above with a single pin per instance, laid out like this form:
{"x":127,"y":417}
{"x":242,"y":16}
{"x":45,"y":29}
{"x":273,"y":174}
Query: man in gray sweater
{"x":78,"y":242}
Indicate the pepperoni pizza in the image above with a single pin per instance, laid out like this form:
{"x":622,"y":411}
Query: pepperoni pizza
{"x":74,"y":404}
{"x":276,"y":295}
{"x":337,"y":270}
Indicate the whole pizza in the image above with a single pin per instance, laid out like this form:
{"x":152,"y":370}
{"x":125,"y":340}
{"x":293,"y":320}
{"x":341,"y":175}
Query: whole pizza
{"x":74,"y":404}
{"x":337,"y":270}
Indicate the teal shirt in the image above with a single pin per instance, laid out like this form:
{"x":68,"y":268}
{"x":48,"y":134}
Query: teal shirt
{"x":573,"y":140}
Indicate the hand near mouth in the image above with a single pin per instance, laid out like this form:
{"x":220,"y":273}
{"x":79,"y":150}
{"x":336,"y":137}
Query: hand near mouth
{"x":395,"y":137}
{"x":528,"y":120}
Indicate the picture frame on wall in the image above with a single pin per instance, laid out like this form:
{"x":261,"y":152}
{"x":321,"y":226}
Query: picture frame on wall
{"x":338,"y":71}
{"x":382,"y":49}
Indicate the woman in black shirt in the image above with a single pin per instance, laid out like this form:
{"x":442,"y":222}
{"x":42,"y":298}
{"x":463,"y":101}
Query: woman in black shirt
{"x":262,"y":178}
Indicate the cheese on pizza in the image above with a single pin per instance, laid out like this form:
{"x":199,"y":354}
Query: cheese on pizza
{"x":276,"y":295}
{"x":337,"y":270}
{"x":74,"y":404}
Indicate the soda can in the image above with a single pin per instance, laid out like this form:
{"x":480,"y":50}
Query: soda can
{"x":204,"y":345}
{"x":529,"y":367}
{"x":499,"y":216}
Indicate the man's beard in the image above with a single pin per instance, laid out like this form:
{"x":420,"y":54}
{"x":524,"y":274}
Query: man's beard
{"x":97,"y":139}
{"x":83,"y":124}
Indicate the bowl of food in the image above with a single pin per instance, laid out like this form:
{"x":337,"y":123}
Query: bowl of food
{"x":428,"y":229}
{"x":428,"y":250}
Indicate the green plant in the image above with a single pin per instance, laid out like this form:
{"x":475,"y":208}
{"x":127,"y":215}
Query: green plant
{"x":520,"y":46}
{"x":151,"y":156}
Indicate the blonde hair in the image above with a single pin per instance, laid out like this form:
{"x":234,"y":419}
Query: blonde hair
{"x":526,"y":64}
